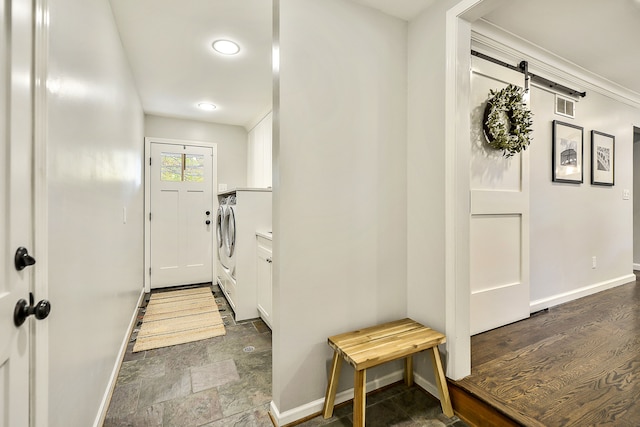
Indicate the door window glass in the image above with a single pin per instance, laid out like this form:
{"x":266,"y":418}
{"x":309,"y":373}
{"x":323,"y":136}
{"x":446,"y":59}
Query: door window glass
{"x":171,"y":167}
{"x":194,"y":167}
{"x":178,"y":167}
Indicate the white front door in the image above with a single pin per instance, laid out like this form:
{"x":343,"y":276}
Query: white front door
{"x":182,"y":215}
{"x":499,"y":221}
{"x":16,"y":228}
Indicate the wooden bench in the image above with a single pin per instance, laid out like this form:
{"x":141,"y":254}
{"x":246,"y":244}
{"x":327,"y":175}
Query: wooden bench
{"x":373,"y":346}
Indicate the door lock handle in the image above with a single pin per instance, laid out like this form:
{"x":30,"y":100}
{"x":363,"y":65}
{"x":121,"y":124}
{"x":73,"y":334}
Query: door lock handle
{"x":22,"y":259}
{"x":24,"y":310}
{"x":207,"y":222}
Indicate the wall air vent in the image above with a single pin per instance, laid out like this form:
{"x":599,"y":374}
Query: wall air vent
{"x":565,"y":106}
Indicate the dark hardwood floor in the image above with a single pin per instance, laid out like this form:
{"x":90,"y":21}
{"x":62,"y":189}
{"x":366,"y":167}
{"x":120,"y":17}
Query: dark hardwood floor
{"x":577,"y":364}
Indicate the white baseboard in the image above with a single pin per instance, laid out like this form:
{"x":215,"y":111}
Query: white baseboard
{"x":431,"y":388}
{"x":315,"y":407}
{"x":554,"y":300}
{"x":636,"y":266}
{"x":104,"y":405}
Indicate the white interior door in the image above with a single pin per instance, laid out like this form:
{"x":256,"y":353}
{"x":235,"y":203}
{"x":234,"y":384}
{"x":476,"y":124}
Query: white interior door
{"x":499,"y":221}
{"x":16,"y":47}
{"x":182,"y":215}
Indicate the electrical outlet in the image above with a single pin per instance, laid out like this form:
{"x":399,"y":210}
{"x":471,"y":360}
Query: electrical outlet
{"x":594,"y":263}
{"x":626,"y":194}
{"x":222,"y":187}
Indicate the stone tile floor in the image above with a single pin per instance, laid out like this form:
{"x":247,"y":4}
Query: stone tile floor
{"x":226,"y":381}
{"x":394,"y":406}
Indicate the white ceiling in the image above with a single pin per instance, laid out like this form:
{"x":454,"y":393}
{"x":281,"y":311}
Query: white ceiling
{"x":403,"y":9}
{"x":168,"y":43}
{"x":602,"y":36}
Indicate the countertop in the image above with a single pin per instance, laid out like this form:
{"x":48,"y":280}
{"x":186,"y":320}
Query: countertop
{"x":234,"y":190}
{"x":266,"y":234}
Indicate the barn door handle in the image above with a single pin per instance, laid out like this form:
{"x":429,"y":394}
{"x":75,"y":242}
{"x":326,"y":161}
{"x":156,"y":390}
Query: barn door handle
{"x":22,"y":259}
{"x":24,"y":310}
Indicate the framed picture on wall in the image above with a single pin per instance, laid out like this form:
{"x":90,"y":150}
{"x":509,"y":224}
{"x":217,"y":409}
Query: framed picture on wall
{"x":567,"y":153}
{"x":602,"y":158}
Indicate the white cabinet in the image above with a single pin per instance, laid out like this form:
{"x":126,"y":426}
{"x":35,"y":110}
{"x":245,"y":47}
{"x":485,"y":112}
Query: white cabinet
{"x":259,"y":154}
{"x":263,"y":279}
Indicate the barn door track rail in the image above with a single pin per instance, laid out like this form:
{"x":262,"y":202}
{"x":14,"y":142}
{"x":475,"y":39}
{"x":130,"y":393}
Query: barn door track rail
{"x":523,"y":67}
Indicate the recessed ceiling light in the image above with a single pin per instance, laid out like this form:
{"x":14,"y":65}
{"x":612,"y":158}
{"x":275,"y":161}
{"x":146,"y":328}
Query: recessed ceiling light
{"x":226,"y":47}
{"x":207,"y":106}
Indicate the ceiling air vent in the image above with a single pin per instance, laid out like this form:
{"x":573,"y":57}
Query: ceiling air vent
{"x":565,"y":106}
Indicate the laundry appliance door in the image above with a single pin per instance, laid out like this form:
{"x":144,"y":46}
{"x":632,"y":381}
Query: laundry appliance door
{"x":220,"y":233}
{"x":230,"y":238}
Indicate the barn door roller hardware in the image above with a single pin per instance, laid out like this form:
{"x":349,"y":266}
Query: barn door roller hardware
{"x":523,"y":68}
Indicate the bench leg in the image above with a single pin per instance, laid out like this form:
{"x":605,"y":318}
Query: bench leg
{"x":445,"y":400}
{"x":334,"y":376}
{"x":408,"y":371}
{"x":359,"y":397}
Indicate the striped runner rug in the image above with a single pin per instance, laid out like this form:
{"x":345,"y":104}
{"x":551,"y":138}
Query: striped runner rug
{"x":178,"y":317}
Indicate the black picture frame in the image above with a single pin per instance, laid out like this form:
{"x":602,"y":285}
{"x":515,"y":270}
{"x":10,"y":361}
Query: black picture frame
{"x":567,"y":153}
{"x":603,"y":150}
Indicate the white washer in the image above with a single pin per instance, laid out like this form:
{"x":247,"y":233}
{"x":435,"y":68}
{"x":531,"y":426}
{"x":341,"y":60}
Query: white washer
{"x":230,"y":235}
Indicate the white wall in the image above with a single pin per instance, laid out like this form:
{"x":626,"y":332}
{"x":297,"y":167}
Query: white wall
{"x":231,"y":141}
{"x":95,"y":144}
{"x":340,"y":187}
{"x":572,"y":223}
{"x":426,"y":172}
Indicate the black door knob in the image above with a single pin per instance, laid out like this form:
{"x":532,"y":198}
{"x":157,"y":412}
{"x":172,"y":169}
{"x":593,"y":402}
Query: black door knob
{"x":22,"y":259}
{"x":207,"y":222}
{"x":42,"y":309}
{"x":20,"y":312}
{"x":208,"y":213}
{"x":24,"y":310}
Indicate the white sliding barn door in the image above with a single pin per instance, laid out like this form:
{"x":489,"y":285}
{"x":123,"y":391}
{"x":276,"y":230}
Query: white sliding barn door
{"x":499,"y":220}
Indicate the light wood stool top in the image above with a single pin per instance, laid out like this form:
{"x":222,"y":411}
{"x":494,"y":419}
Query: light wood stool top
{"x":369,"y":347}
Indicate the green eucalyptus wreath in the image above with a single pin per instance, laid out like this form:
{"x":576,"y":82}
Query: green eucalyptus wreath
{"x":507,"y":120}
